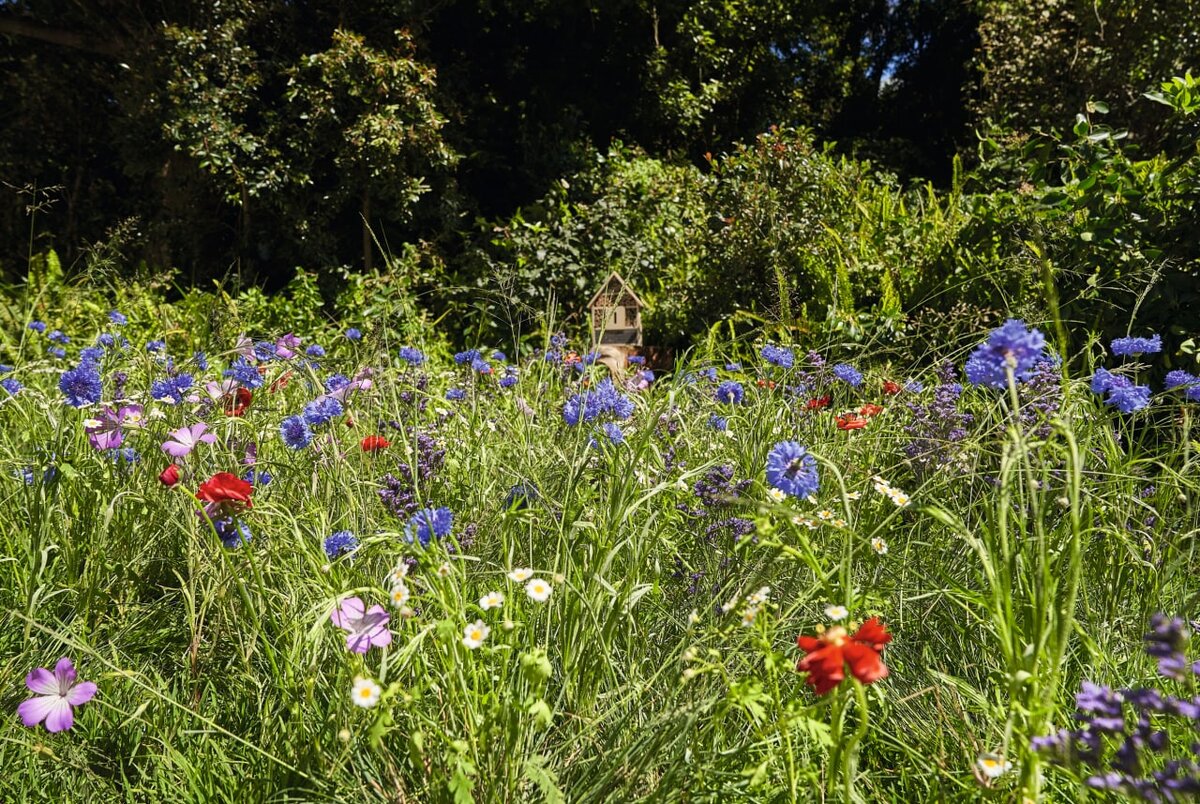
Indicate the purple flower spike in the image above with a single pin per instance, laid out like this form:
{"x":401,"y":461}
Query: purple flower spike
{"x":57,"y":693}
{"x":185,"y":439}
{"x":367,"y":628}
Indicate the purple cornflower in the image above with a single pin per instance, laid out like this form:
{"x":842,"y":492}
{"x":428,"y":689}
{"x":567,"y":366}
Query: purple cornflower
{"x":57,"y":694}
{"x":118,"y":318}
{"x":12,"y":385}
{"x":185,"y":439}
{"x":729,"y":392}
{"x":81,"y":385}
{"x":322,"y":410}
{"x":848,"y":374}
{"x":411,"y":355}
{"x":171,"y":389}
{"x":429,"y":524}
{"x":353,"y":334}
{"x":1009,"y":347}
{"x":366,"y":628}
{"x":779,"y":356}
{"x":468,"y":357}
{"x":1137,"y":346}
{"x":295,"y":432}
{"x":340,"y":543}
{"x":245,"y":373}
{"x":792,"y":470}
{"x":37,"y":326}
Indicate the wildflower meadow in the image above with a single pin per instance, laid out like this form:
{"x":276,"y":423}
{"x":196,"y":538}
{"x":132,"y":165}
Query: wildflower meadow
{"x":331,"y":565}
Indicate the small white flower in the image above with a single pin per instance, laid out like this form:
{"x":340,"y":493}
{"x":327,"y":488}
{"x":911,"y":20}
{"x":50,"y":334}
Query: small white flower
{"x":879,"y":546}
{"x":444,"y":570}
{"x":475,"y":634}
{"x":156,"y":413}
{"x":776,"y":495}
{"x":824,"y":515}
{"x":749,"y":614}
{"x":899,"y":498}
{"x":365,"y":692}
{"x":397,"y":574}
{"x":92,"y":423}
{"x":836,"y":613}
{"x":838,"y":522}
{"x":538,"y":590}
{"x":992,"y":766}
{"x":730,"y":434}
{"x":520,"y":575}
{"x":694,"y":617}
{"x":492,"y":600}
{"x":853,"y":495}
{"x":759,"y":597}
{"x":400,"y":595}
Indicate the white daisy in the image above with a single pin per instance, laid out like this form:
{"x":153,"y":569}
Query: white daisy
{"x":879,"y":546}
{"x":475,"y":634}
{"x":444,"y":570}
{"x":520,"y":575}
{"x":400,"y":595}
{"x":538,"y":590}
{"x":492,"y":600}
{"x":365,"y":692}
{"x":776,"y":495}
{"x":837,"y":613}
{"x":992,"y":766}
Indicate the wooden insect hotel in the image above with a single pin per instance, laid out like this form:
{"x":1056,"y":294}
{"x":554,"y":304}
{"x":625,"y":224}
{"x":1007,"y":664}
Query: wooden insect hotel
{"x":616,"y":315}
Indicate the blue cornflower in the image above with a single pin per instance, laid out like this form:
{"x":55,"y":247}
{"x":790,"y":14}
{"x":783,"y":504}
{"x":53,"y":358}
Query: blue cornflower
{"x":232,"y":534}
{"x":321,"y":410}
{"x":126,"y":455}
{"x":467,"y":357}
{"x":340,"y":543}
{"x":118,"y":318}
{"x":336,"y":383}
{"x":522,"y":495}
{"x":709,"y":373}
{"x":1179,"y":378}
{"x":1104,"y":380}
{"x":778,"y":355}
{"x":172,"y":388}
{"x":5,"y":369}
{"x":257,"y":478}
{"x":637,"y":360}
{"x":295,"y":432}
{"x":353,"y":334}
{"x":719,"y":423}
{"x":155,"y":346}
{"x":1129,"y":398}
{"x":412,"y":355}
{"x":429,"y":524}
{"x":1009,"y":346}
{"x":264,"y":351}
{"x":604,"y":398}
{"x":81,"y":385}
{"x":57,"y":351}
{"x":508,"y":381}
{"x":1137,"y":346}
{"x":733,"y":366}
{"x":613,"y":432}
{"x":92,"y":354}
{"x":792,"y":470}
{"x":315,"y":350}
{"x":729,"y":392}
{"x":106,"y":340}
{"x":914,"y":386}
{"x":37,"y":326}
{"x":12,"y":385}
{"x":558,"y":340}
{"x":200,"y":360}
{"x":499,"y":356}
{"x":456,"y":395}
{"x":245,"y":373}
{"x":848,"y":374}
{"x":482,"y":366}
{"x":58,"y":336}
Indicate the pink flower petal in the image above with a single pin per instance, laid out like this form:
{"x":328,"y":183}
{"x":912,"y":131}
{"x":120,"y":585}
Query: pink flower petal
{"x":60,"y":717}
{"x":42,"y":681}
{"x":81,"y":693}
{"x":35,"y":710}
{"x":350,"y":610}
{"x":207,"y":438}
{"x":175,"y":449}
{"x":64,"y":671}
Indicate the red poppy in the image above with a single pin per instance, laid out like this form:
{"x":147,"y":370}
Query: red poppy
{"x":827,"y":655}
{"x":169,"y":476}
{"x":820,"y":402}
{"x":225,"y":488}
{"x":237,"y":402}
{"x":374,"y":443}
{"x":851,"y":421}
{"x":767,"y":384}
{"x":870,"y":409}
{"x":282,"y":382}
{"x":891,"y":388}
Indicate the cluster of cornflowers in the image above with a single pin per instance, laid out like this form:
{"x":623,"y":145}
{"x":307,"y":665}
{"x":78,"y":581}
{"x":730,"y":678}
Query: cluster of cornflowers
{"x":1125,"y":738}
{"x":1120,"y":391}
{"x":936,"y":427}
{"x":603,"y":401}
{"x":399,"y":492}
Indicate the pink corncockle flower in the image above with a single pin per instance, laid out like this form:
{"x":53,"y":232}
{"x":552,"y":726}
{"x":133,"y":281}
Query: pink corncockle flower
{"x":367,"y":627}
{"x":185,"y":439}
{"x":286,"y":346}
{"x":57,"y":693}
{"x":219,"y":391}
{"x":245,"y":347}
{"x":105,"y":432}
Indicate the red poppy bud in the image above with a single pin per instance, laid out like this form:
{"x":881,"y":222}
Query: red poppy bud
{"x":169,"y":476}
{"x":891,"y":388}
{"x":374,"y":443}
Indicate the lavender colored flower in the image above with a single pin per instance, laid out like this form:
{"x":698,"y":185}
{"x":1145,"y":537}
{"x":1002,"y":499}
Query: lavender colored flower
{"x":1137,"y":346}
{"x":729,"y":392}
{"x":366,"y":628}
{"x":399,"y":492}
{"x":1009,"y":347}
{"x":353,"y":334}
{"x":792,"y":470}
{"x":118,"y":318}
{"x":56,"y":696}
{"x":340,"y":544}
{"x":105,"y":432}
{"x":848,"y":374}
{"x":322,"y":410}
{"x":429,"y":524}
{"x":778,"y":356}
{"x":717,"y":488}
{"x":186,"y":439}
{"x":295,"y":432}
{"x":938,"y":426}
{"x":1041,"y":397}
{"x":81,"y":385}
{"x":1166,"y":641}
